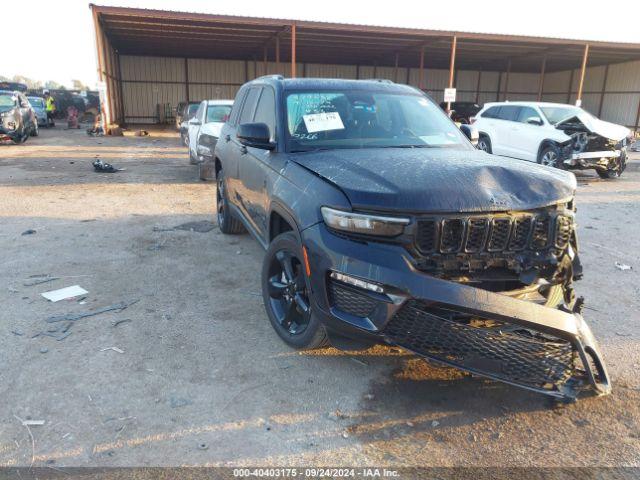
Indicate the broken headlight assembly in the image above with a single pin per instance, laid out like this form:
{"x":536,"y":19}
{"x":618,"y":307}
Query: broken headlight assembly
{"x":9,"y":120}
{"x":364,"y":224}
{"x":206,"y":145}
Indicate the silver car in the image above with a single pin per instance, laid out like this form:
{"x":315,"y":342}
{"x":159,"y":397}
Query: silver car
{"x":37,"y":103}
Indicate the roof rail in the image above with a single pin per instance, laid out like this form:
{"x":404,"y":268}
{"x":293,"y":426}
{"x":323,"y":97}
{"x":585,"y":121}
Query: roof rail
{"x":275,"y":76}
{"x":381,"y":80}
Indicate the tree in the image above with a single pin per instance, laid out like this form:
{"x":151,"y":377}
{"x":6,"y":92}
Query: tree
{"x":78,"y":85}
{"x":30,"y":83}
{"x":53,"y":85}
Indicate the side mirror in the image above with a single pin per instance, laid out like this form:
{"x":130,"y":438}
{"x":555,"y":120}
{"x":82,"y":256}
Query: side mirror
{"x":471,"y":133}
{"x":195,"y":121}
{"x":255,"y":135}
{"x":534,"y":121}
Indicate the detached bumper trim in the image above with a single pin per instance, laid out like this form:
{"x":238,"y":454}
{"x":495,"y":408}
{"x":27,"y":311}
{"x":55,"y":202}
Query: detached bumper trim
{"x":592,"y":155}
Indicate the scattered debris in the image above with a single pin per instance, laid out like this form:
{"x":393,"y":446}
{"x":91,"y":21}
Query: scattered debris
{"x":120,"y":322}
{"x":33,"y":442}
{"x":202,"y":226}
{"x":29,"y":232}
{"x":72,"y":317}
{"x":369,"y":396}
{"x":104,"y":167}
{"x":32,"y":423}
{"x":177,"y":402}
{"x":17,"y":332}
{"x":410,"y":424}
{"x":64,"y":293}
{"x":620,"y":334}
{"x":115,"y":349}
{"x":345,"y":435}
{"x":435,"y":423}
{"x":44,"y":350}
{"x":38,"y":279}
{"x":203,"y":446}
{"x":141,"y":133}
{"x":622,"y":266}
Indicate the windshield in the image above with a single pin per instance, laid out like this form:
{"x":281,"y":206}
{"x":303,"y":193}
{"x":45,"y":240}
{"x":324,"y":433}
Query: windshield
{"x":366,"y":118}
{"x":558,"y":114}
{"x":36,"y":102}
{"x":7,"y":102}
{"x":218,"y":113}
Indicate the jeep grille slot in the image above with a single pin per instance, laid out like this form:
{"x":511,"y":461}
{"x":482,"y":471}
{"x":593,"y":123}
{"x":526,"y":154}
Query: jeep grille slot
{"x":500,"y":229}
{"x":452,"y":235}
{"x":427,"y":235}
{"x":477,"y":233}
{"x":520,"y":235}
{"x":541,"y":233}
{"x":563,"y":231}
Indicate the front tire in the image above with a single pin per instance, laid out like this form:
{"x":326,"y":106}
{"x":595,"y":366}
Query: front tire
{"x":484,"y":144}
{"x":286,"y":295}
{"x":226,"y":221}
{"x":35,"y":131}
{"x":550,"y":157}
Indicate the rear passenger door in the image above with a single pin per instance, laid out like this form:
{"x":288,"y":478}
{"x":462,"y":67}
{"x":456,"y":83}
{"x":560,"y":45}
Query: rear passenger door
{"x":255,"y":165}
{"x":238,"y":152}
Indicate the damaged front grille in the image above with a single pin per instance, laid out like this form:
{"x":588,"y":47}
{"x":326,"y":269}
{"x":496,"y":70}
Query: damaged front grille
{"x":491,"y":233}
{"x":513,"y":355}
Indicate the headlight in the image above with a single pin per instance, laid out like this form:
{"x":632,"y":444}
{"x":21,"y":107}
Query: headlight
{"x":364,"y":224}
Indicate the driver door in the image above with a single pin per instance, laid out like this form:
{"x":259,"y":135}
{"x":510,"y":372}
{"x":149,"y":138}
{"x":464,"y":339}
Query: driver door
{"x":527,"y":138}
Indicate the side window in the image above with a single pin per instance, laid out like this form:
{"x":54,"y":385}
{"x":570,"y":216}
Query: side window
{"x":492,"y":112}
{"x":526,"y":113}
{"x":249,"y":106}
{"x":509,"y":113}
{"x":237,"y":105}
{"x":266,"y":111}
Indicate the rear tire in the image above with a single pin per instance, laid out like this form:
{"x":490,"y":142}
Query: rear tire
{"x":35,"y":131}
{"x":484,"y":144}
{"x":286,"y":295}
{"x":226,"y":221}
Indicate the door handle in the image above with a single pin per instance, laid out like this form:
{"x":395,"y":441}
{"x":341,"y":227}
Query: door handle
{"x":243,"y":150}
{"x":227,"y":138}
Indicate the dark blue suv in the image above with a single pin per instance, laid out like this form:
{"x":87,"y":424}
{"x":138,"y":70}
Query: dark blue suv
{"x":382,"y":223}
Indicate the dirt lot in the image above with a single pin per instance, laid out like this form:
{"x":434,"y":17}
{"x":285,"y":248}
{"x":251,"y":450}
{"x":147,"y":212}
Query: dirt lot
{"x":204,"y":380}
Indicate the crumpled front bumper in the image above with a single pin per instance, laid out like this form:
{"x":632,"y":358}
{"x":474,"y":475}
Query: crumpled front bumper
{"x":500,"y":337}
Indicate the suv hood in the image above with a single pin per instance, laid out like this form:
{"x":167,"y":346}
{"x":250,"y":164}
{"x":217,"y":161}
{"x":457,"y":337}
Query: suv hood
{"x":597,"y":126}
{"x":438,"y":180}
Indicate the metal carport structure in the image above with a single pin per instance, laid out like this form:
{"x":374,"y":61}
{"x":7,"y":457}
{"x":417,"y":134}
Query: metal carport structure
{"x":181,"y":56}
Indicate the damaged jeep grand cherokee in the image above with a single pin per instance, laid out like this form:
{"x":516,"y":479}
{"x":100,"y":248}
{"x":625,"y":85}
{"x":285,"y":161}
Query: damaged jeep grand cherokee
{"x":382,"y":223}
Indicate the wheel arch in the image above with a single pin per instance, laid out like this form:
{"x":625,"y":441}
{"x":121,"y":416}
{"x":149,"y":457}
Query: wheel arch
{"x":545,"y":143}
{"x":281,"y":220}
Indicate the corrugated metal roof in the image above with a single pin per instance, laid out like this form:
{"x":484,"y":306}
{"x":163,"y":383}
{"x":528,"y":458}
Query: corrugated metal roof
{"x":138,"y":31}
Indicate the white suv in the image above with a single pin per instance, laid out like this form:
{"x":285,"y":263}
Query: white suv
{"x":553,"y":134}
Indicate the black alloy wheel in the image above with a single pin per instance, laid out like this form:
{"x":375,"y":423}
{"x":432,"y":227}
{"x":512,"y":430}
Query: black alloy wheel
{"x":286,"y":295}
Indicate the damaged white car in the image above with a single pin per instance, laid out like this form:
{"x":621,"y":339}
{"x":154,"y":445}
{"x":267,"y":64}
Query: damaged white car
{"x":553,"y":134}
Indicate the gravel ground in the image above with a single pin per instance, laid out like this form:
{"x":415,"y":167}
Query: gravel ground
{"x":198,"y":377}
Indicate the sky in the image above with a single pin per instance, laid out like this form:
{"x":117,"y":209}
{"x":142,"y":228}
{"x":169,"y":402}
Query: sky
{"x":62,"y":45}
